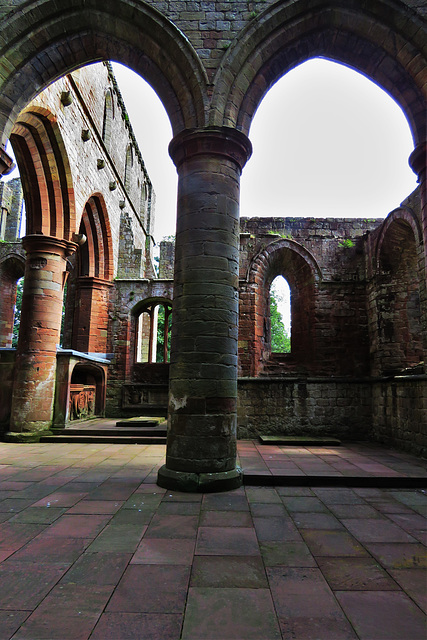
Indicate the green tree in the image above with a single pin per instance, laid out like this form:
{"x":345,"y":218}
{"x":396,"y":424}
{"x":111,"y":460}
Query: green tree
{"x":17,"y":316}
{"x":280,"y":339}
{"x":161,"y":333}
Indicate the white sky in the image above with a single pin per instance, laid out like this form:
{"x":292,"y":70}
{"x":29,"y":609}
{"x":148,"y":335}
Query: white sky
{"x":327,"y":143}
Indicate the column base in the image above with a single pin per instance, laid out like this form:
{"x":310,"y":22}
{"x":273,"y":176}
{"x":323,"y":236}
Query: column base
{"x":199,"y":482}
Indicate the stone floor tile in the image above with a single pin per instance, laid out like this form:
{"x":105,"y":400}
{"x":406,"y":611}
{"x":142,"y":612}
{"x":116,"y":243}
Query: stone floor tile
{"x":399,"y":555}
{"x":266,"y":495}
{"x":273,"y":528}
{"x":228,"y":501}
{"x":10,"y":621}
{"x":375,"y":530}
{"x":304,"y":504}
{"x":287,"y":554}
{"x":23,"y":588}
{"x":228,"y":572}
{"x":78,"y":526}
{"x":142,"y":501}
{"x":230,"y":614}
{"x":383,"y":615}
{"x":302,"y":594}
{"x":176,"y":496}
{"x":14,"y":505}
{"x":225,"y":519}
{"x":317,"y":521}
{"x":338,"y":495}
{"x":355,"y":574}
{"x":178,"y":508}
{"x":414,"y":583}
{"x":354,"y":511}
{"x":58,"y":499}
{"x":39,"y":515}
{"x":46,"y":550}
{"x":69,"y":612}
{"x":230,"y":541}
{"x":95,"y":507}
{"x":14,"y":536}
{"x":172,"y":526}
{"x":134,"y":626}
{"x":151,"y":589}
{"x":266,"y":509}
{"x":334,"y":627}
{"x":133,"y":517}
{"x":164,"y":551}
{"x":332,"y":543}
{"x":118,"y":538}
{"x":412,"y":523}
{"x":97,"y":569}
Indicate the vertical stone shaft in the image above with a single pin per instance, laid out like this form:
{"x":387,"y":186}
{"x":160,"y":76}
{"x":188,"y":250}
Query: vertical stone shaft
{"x":418,"y":163}
{"x":203,"y":365}
{"x":34,"y":383}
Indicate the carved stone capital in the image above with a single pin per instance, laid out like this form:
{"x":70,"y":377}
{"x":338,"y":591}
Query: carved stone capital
{"x":215,"y":141}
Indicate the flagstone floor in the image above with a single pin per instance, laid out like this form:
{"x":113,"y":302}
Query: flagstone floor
{"x":91,"y":547}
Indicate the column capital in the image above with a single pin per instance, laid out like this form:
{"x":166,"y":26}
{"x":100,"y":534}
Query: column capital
{"x":418,"y":159}
{"x":6,"y":163}
{"x":48,"y":244}
{"x":213,"y":141}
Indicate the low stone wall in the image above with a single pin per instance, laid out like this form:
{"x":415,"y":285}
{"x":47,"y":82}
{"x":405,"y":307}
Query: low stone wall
{"x":313,"y":406}
{"x":399,"y":413}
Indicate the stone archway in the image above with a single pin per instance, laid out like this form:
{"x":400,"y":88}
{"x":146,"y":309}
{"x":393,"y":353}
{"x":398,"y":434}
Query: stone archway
{"x":291,"y":260}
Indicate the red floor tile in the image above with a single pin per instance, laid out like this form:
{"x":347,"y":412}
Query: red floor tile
{"x":231,"y":541}
{"x":135,"y":626}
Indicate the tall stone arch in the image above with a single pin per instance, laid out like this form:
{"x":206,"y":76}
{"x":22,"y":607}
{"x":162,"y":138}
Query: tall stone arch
{"x":42,"y":43}
{"x":291,"y":260}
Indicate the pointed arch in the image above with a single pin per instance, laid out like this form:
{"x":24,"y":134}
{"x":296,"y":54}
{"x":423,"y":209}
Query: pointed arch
{"x":45,"y":173}
{"x":297,"y":265}
{"x":384,"y":42}
{"x":96,"y":254}
{"x":107,"y":118}
{"x":135,"y":34}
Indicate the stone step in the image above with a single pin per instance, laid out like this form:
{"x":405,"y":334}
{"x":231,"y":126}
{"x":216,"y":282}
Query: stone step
{"x":304,"y":441}
{"x":82,"y":437}
{"x":140,"y":423}
{"x":143,"y":432}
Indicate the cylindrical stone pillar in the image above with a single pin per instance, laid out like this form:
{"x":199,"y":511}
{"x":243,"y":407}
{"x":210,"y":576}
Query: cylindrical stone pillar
{"x":201,"y":445}
{"x":39,"y":334}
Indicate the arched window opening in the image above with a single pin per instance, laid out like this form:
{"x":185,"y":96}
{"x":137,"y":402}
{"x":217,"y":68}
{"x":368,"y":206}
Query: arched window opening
{"x":280,"y":315}
{"x":128,"y":166}
{"x":358,"y":138}
{"x":17,"y":312}
{"x":107,"y":120}
{"x":153,"y":333}
{"x":399,"y":323}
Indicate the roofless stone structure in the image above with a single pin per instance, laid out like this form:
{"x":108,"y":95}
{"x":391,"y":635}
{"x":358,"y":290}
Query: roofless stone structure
{"x":211,"y":63}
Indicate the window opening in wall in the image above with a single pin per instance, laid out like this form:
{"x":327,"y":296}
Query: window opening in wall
{"x":328,"y":142}
{"x":153,"y":333}
{"x":280,"y":315}
{"x":17,"y":312}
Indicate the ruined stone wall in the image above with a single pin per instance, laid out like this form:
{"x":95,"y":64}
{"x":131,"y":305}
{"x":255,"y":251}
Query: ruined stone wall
{"x":97,"y":165}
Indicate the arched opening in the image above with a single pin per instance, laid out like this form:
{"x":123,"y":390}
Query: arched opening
{"x":328,"y":142}
{"x":399,"y":326}
{"x":87,"y":392}
{"x":153,"y":332}
{"x":108,"y":119}
{"x":128,"y":167}
{"x":280,"y":315}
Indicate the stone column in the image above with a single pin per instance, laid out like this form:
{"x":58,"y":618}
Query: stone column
{"x":201,"y":447}
{"x":34,"y":383}
{"x":90,"y":332}
{"x":418,"y":163}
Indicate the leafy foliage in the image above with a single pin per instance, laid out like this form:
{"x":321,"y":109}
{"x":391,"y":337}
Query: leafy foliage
{"x":17,"y":316}
{"x":161,"y":334}
{"x":280,"y":339}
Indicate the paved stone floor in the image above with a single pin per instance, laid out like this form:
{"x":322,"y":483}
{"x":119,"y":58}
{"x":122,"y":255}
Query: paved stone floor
{"x":91,"y":547}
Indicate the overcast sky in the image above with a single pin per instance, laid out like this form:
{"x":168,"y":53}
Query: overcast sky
{"x":327,"y":142}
